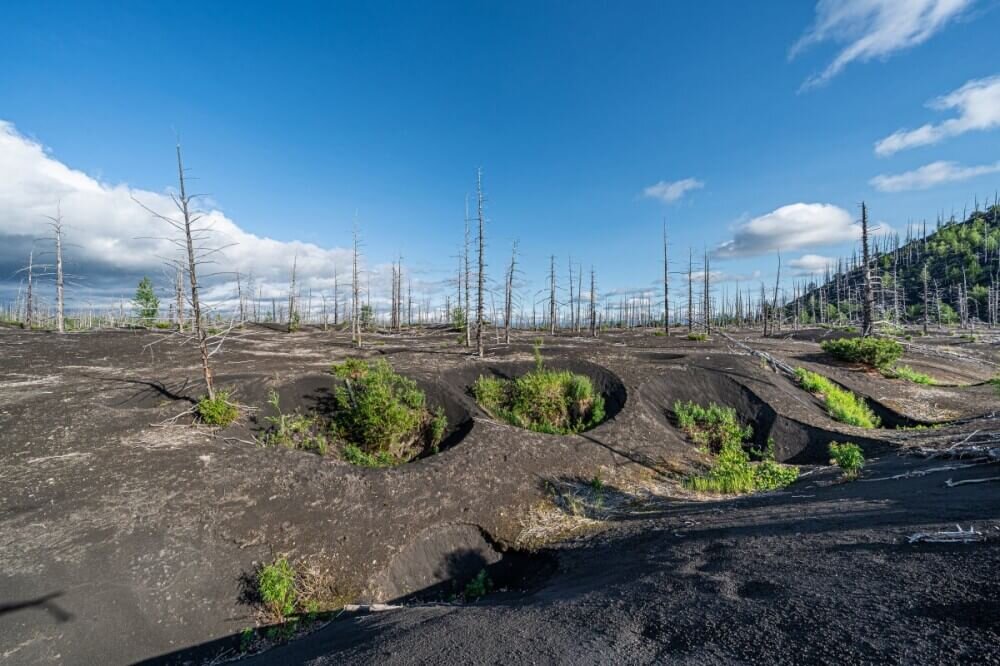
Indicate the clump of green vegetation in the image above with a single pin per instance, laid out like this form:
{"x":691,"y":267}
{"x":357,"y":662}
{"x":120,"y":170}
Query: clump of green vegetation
{"x":355,"y":455}
{"x":557,"y":402}
{"x":718,"y":429}
{"x":878,"y":353}
{"x":909,"y":374}
{"x":383,"y":414}
{"x":697,"y":337}
{"x":277,"y":585}
{"x":711,"y":427}
{"x":478,"y":587}
{"x":848,"y":457}
{"x":217,"y":411}
{"x":841,"y":404}
{"x":162,"y":325}
{"x":295,"y":430}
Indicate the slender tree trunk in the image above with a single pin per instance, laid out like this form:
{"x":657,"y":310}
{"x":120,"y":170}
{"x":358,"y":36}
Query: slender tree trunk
{"x":482,"y":264}
{"x":666,"y":283}
{"x":867,"y":313}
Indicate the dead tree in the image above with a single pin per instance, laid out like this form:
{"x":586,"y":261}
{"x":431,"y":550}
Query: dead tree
{"x":465,"y":255}
{"x":195,"y":255}
{"x":593,"y":306}
{"x":509,"y":294}
{"x":690,"y":291}
{"x":708,"y":297}
{"x":30,"y":303}
{"x":925,"y":275}
{"x":179,"y":296}
{"x":666,"y":283}
{"x":355,"y":292}
{"x":552,"y":295}
{"x":480,"y":201}
{"x":292,"y":324}
{"x":774,"y":300}
{"x":867,"y":313}
{"x":56,"y":222}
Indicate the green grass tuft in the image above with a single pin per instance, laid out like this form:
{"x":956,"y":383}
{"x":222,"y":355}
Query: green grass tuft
{"x":841,"y":404}
{"x":276,"y":584}
{"x":556,"y":402}
{"x":697,"y":337}
{"x":718,"y":429}
{"x":910,"y":375}
{"x":478,"y":587}
{"x":217,"y":411}
{"x":848,"y":457}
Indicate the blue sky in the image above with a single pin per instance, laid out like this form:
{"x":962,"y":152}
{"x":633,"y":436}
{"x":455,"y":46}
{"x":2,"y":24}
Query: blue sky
{"x":295,"y":116}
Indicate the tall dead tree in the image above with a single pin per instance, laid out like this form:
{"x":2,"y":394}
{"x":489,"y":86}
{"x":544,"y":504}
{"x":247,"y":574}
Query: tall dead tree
{"x":292,"y":324}
{"x":29,"y":303}
{"x":467,"y":314}
{"x":867,"y":313}
{"x":690,"y":291}
{"x":56,"y":222}
{"x":774,"y":300}
{"x":708,"y":297}
{"x":552,"y":295}
{"x":480,"y":201}
{"x":355,"y":291}
{"x":925,"y":276}
{"x":593,"y":306}
{"x":195,"y":255}
{"x":666,"y":283}
{"x":509,"y":294}
{"x":179,"y":297}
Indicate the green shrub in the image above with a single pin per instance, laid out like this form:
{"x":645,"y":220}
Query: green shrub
{"x":549,"y":401}
{"x":479,"y":586}
{"x":217,"y":411}
{"x":909,"y":374}
{"x":277,"y":587}
{"x":848,"y":457}
{"x":295,"y":431}
{"x":383,"y":413}
{"x":357,"y":456}
{"x":711,"y":427}
{"x":718,"y":429}
{"x":841,"y":404}
{"x":697,"y":337}
{"x":877,"y":352}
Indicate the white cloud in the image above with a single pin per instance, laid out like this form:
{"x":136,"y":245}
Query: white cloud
{"x":111,"y":239}
{"x":930,"y":175}
{"x":670,"y":191}
{"x":978,"y":106}
{"x":792,"y":227}
{"x":718,"y":277}
{"x":810,"y":264}
{"x":874,"y":29}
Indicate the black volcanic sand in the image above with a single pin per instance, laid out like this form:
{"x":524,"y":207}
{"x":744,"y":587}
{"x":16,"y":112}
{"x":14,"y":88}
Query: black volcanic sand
{"x":123,"y":541}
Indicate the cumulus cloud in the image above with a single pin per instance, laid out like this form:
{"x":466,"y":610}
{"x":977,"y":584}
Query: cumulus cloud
{"x":929,"y":175}
{"x":811,"y":264}
{"x":112,"y":240}
{"x":874,"y":29}
{"x":792,"y":227}
{"x":978,"y":107}
{"x":671,"y":191}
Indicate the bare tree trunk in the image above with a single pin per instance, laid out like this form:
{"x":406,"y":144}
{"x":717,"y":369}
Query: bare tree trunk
{"x":708,"y":297}
{"x":690,"y":291}
{"x":924,"y":274}
{"x":29,"y":305}
{"x":509,"y":296}
{"x":482,"y":264}
{"x":56,"y":222}
{"x":355,"y":294}
{"x":774,"y":304}
{"x":666,"y":283}
{"x":552,"y":295}
{"x":179,"y":286}
{"x":201,"y":335}
{"x":291,"y":296}
{"x":468,"y":309}
{"x":593,"y":308}
{"x":867,"y":313}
